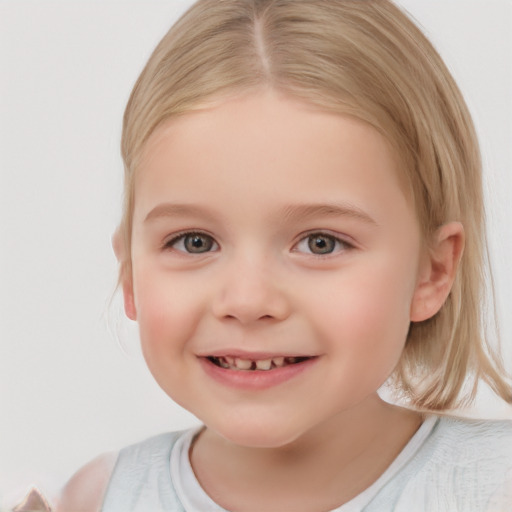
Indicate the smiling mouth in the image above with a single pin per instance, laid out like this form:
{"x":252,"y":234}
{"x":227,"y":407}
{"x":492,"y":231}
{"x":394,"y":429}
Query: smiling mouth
{"x":236,"y":363}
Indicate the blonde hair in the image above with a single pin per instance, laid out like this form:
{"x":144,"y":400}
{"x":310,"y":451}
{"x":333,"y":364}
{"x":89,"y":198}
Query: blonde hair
{"x":367,"y":59}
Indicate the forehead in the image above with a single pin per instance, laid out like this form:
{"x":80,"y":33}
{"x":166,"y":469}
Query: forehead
{"x":264,"y":147}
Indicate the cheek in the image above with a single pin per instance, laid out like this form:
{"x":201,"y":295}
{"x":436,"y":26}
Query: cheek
{"x":365,"y":316}
{"x":167,"y":314}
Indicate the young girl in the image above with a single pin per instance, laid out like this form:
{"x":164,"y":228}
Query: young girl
{"x":303,"y":223}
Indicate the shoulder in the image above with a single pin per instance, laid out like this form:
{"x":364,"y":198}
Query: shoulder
{"x":112,"y":475}
{"x":470,"y":459}
{"x":85,"y":490}
{"x":142,"y":478}
{"x":151,"y":449}
{"x":475,"y":434}
{"x":473,"y":443}
{"x":463,"y":464}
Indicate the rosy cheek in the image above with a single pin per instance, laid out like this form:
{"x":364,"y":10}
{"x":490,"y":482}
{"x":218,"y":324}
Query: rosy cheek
{"x":359,"y":310}
{"x":167,"y":314}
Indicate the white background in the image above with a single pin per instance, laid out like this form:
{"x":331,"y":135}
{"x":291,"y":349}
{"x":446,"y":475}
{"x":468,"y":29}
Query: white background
{"x":68,"y":389}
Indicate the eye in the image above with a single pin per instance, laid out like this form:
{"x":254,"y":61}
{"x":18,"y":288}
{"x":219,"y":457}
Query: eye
{"x":321,"y":244}
{"x":192,"y":243}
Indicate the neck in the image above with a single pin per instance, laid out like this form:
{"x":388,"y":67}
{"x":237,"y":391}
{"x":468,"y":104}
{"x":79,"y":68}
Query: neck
{"x":335,"y":461}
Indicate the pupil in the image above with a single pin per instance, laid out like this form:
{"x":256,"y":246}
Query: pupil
{"x":198,"y":243}
{"x":321,"y":244}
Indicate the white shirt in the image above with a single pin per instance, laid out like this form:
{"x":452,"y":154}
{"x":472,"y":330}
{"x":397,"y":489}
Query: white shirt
{"x":195,"y":499}
{"x":449,"y":465}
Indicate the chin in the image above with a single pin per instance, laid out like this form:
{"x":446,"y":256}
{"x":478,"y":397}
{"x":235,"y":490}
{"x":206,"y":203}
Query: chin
{"x":258,"y":439}
{"x":253,"y":433}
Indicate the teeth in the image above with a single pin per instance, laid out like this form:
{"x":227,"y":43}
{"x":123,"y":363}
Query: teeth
{"x":224,"y":363}
{"x":264,"y":364}
{"x":243,"y":364}
{"x":278,"y":361}
{"x":235,"y":363}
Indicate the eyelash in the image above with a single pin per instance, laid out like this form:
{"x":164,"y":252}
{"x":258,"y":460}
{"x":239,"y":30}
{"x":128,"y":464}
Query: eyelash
{"x":170,"y":244}
{"x":340,"y":245}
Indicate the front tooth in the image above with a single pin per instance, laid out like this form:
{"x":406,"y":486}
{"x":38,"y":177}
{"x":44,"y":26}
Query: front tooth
{"x":243,"y":364}
{"x":278,"y":361}
{"x":223,"y":362}
{"x":230,"y":360}
{"x":264,"y":364}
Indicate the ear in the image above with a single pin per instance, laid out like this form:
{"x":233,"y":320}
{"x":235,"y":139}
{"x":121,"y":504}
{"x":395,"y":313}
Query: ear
{"x":438,"y":271}
{"x":125,"y":275}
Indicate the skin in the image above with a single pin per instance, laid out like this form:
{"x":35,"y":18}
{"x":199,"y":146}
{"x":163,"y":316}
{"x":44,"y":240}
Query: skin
{"x":239,"y":174}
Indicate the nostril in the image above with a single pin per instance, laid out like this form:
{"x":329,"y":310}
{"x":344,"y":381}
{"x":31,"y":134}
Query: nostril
{"x":248,"y":306}
{"x":263,"y":317}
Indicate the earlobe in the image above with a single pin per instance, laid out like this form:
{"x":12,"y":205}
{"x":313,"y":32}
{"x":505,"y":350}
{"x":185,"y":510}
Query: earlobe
{"x":129,"y":301}
{"x":438,"y":271}
{"x":125,"y":275}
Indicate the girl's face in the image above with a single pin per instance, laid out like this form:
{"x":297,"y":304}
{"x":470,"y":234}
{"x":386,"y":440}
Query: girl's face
{"x":275,"y":263}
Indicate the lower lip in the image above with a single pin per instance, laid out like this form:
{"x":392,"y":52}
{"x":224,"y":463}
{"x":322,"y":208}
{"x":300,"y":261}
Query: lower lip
{"x":255,"y":379}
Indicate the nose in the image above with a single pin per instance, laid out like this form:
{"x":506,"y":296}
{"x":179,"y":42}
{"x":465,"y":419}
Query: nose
{"x":250,"y":293}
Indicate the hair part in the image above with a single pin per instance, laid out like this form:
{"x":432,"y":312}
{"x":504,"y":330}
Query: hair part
{"x":362,"y":58}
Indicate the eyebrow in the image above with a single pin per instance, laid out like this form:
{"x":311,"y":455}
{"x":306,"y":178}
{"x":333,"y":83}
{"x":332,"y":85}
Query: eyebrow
{"x":176,"y":210}
{"x":296,"y":211}
{"x":307,"y":211}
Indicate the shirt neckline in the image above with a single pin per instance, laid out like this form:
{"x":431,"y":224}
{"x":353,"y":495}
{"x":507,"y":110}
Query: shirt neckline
{"x":195,"y":499}
{"x":408,"y":452}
